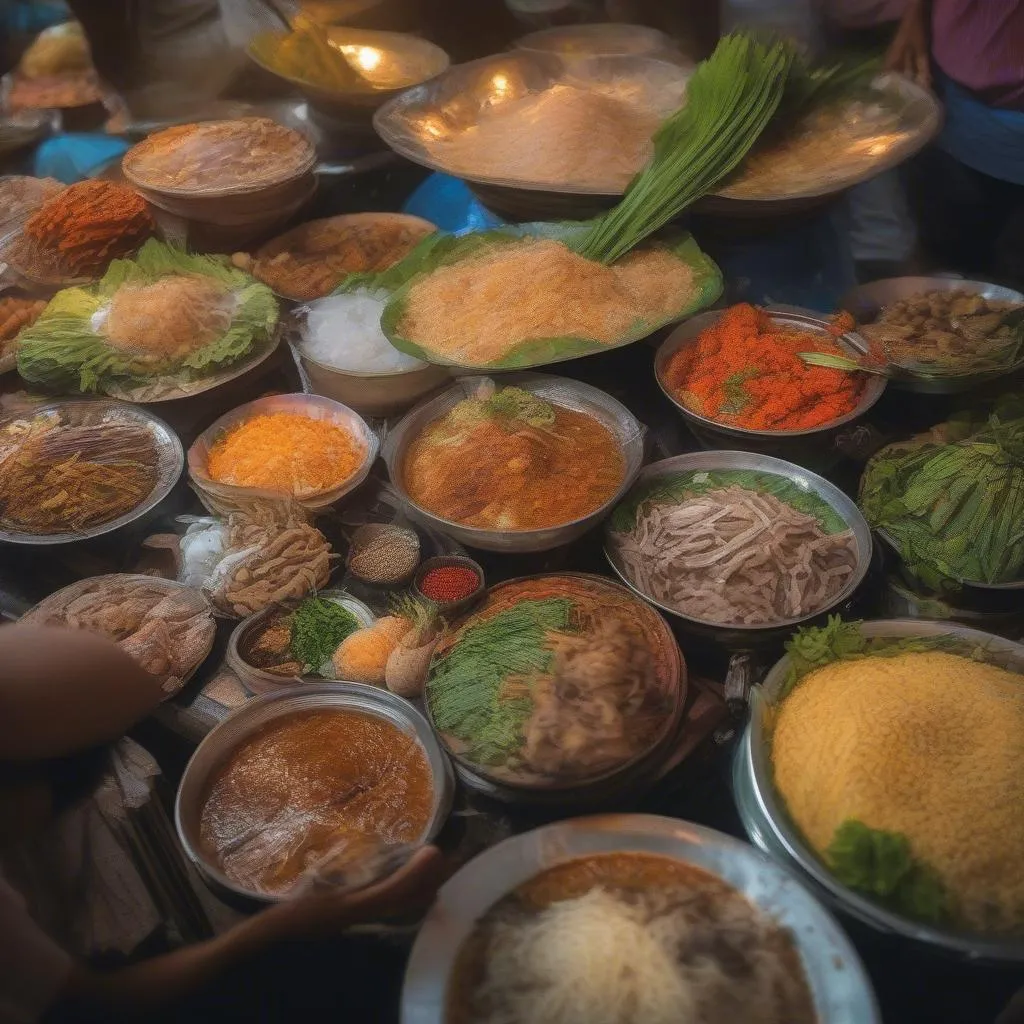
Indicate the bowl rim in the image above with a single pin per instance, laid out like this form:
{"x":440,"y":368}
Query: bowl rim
{"x":161,"y":433}
{"x":249,"y":410}
{"x":661,"y":42}
{"x":837,"y":500}
{"x":441,"y":56}
{"x":688,"y":331}
{"x":348,"y":697}
{"x":679,"y":671}
{"x":393,"y":450}
{"x":490,"y":876}
{"x":771,"y":805}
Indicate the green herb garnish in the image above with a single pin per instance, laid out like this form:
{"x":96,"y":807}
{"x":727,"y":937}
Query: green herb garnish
{"x":318,"y":628}
{"x":881,"y":865}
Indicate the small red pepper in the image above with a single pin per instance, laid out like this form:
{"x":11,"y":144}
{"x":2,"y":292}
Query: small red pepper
{"x":449,"y":583}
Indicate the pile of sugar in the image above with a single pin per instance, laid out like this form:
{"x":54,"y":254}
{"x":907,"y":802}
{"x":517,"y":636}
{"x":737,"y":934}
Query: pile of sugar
{"x":344,"y":333}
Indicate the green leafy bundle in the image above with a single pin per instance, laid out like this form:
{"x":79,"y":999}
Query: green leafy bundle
{"x":679,"y":486}
{"x":954,"y":510}
{"x":65,"y":349}
{"x":880,"y":865}
{"x":730,"y":100}
{"x":318,"y":628}
{"x":466,"y":690}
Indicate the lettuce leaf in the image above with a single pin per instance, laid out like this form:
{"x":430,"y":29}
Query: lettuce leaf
{"x":881,"y":865}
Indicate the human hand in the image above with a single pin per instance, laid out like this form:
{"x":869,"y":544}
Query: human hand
{"x":318,"y":914}
{"x":909,"y":53}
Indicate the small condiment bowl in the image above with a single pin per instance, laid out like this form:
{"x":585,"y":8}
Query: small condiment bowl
{"x":306,"y":405}
{"x":259,"y":712}
{"x":371,"y":529}
{"x":451,"y":609}
{"x":258,"y":680}
{"x":815,"y":444}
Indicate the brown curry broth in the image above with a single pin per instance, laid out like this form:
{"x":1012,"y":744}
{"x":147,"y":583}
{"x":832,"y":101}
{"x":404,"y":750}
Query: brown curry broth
{"x":623,"y":874}
{"x":356,"y":774}
{"x":539,"y":476}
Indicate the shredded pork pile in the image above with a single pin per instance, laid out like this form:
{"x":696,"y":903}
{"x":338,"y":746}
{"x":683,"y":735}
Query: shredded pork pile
{"x":734,"y":556}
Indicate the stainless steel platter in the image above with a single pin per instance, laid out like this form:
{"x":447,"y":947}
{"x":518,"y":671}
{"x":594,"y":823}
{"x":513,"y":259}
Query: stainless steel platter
{"x":258,"y":712}
{"x":866,"y":302}
{"x":561,"y":391}
{"x":839,"y":986}
{"x":170,"y":460}
{"x":830,"y":151}
{"x":769,"y":826}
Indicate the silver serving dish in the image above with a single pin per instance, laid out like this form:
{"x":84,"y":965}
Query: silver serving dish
{"x":305,"y":405}
{"x":558,"y":390}
{"x":866,"y":302}
{"x":839,"y":985}
{"x":829,"y":493}
{"x":80,"y":412}
{"x":769,"y":826}
{"x":418,"y":122}
{"x":602,"y":39}
{"x":389,"y":62}
{"x":258,"y":712}
{"x":815,"y":441}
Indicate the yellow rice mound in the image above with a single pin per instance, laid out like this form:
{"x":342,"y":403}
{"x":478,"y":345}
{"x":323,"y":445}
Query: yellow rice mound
{"x":930,"y":745}
{"x":475,"y":311}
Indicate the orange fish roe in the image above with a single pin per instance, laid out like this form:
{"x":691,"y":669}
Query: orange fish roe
{"x":285,"y":453}
{"x":746,"y":371}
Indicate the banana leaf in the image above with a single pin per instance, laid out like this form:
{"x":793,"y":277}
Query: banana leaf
{"x":441,"y":250}
{"x":65,"y":350}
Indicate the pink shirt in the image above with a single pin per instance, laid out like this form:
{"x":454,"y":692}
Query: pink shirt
{"x":980,"y":45}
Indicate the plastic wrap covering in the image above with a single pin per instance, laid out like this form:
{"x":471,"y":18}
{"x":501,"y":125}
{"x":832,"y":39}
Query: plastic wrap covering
{"x":555,"y":682}
{"x":79,"y":469}
{"x":247,"y":154}
{"x":254,"y":557}
{"x":167,"y":628}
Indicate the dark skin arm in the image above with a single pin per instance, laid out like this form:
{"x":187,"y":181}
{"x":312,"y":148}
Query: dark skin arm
{"x":910,"y":51}
{"x":134,"y":992}
{"x":109,"y":27}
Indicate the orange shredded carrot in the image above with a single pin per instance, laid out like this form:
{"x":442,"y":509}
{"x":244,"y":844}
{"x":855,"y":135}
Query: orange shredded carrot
{"x":746,"y":370}
{"x":285,"y":453}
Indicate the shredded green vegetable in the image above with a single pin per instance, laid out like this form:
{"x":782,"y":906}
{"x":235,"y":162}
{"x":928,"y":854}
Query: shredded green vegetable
{"x":318,"y":628}
{"x":464,"y":692}
{"x":677,"y":486}
{"x":880,"y":864}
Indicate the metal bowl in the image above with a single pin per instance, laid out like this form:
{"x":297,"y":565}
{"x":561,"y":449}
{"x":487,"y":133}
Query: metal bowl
{"x":625,"y":778}
{"x":257,"y":680}
{"x":769,"y":826}
{"x":305,"y":405}
{"x":815,"y":443}
{"x":394,"y":62}
{"x":839,"y":985}
{"x":417,"y":123}
{"x":866,"y":302}
{"x":169,"y":455}
{"x":258,"y":712}
{"x":560,"y":391}
{"x":738,"y":634}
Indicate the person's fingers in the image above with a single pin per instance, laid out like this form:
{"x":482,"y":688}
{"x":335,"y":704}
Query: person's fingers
{"x":421,"y":875}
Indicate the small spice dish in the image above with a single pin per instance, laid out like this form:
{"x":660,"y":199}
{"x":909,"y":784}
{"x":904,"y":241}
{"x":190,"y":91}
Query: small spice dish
{"x":382,"y":554}
{"x":425,"y":589}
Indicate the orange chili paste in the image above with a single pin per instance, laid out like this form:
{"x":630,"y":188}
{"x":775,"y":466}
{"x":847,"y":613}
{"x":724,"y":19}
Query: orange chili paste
{"x":746,"y":371}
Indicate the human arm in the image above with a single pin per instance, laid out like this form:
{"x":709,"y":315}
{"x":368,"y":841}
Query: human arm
{"x":137,"y":991}
{"x":910,"y":51}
